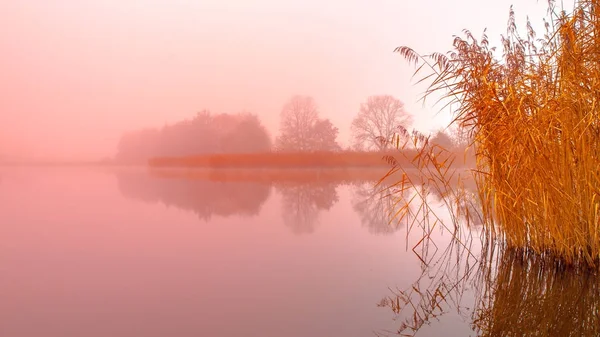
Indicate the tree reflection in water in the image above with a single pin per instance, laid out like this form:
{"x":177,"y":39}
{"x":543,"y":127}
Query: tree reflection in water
{"x":206,"y":198}
{"x":208,"y":194}
{"x":304,"y":195}
{"x":499,"y":291}
{"x":302,"y":202}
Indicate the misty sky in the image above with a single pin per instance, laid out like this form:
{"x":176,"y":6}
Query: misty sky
{"x":76,"y":74}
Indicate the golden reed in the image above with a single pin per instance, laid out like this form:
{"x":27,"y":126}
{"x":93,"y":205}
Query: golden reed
{"x":533,"y":118}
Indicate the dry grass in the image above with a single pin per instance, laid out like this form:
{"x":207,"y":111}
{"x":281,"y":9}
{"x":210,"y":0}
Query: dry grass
{"x":281,"y":160}
{"x":533,"y":118}
{"x":416,"y":199}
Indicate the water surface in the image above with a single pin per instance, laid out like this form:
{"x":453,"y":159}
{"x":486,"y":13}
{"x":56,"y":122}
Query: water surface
{"x":124,"y":252}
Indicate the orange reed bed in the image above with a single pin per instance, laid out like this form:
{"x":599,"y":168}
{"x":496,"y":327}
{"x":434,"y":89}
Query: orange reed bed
{"x":278,"y":160}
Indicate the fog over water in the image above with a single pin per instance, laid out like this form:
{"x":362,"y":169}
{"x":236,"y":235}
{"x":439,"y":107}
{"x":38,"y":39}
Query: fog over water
{"x":77,"y":74}
{"x":222,"y":168}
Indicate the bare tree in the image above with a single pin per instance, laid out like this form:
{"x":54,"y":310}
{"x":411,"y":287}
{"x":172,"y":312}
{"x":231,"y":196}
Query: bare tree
{"x":298,"y":116}
{"x":302,"y":130}
{"x":377,"y":122}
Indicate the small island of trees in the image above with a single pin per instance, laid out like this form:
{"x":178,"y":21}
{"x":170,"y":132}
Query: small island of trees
{"x":305,"y":139}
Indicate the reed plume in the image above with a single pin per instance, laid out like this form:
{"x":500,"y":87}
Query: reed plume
{"x":532,"y":116}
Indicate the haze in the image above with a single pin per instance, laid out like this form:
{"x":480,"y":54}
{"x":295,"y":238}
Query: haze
{"x":76,"y":74}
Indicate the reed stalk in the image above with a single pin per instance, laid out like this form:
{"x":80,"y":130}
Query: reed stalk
{"x":533,"y":118}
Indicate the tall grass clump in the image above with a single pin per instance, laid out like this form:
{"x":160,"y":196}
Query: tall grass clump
{"x":533,"y":117}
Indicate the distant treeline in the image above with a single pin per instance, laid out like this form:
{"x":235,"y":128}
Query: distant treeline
{"x":304,"y":140}
{"x":205,"y":133}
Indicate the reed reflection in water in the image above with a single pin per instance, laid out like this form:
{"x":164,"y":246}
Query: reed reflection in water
{"x":502,"y":293}
{"x":532,"y":296}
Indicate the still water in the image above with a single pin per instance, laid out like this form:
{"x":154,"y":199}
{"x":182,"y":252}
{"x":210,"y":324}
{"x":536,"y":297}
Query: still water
{"x":125,"y":252}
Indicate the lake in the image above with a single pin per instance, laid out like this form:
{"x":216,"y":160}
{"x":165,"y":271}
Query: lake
{"x":126,"y":252}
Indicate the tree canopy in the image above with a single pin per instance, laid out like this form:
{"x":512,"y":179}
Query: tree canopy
{"x":377,"y":122}
{"x":302,"y":130}
{"x":203,"y":134}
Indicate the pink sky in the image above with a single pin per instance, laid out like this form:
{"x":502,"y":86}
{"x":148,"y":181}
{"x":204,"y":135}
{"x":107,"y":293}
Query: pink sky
{"x":78,"y":73}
